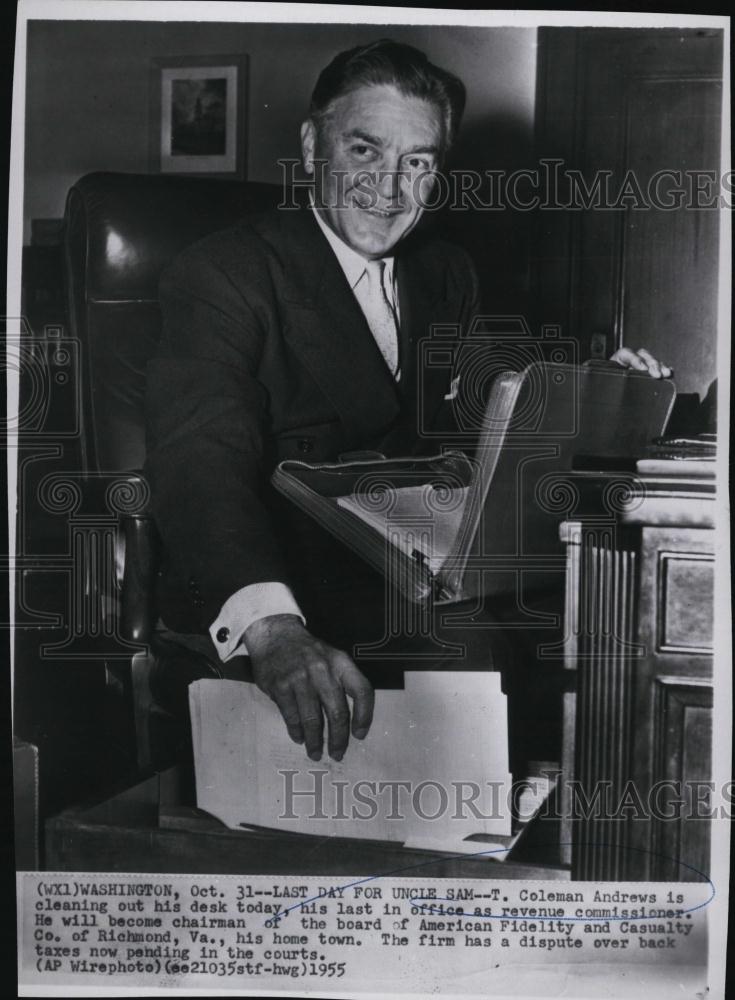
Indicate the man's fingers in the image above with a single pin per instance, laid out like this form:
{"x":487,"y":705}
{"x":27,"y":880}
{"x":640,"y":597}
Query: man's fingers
{"x":338,"y":718}
{"x":312,"y":722}
{"x":305,"y":692}
{"x":629,"y":359}
{"x":654,"y":366}
{"x":359,"y":688}
{"x":289,"y":709}
{"x":643,"y":361}
{"x":325,"y":677}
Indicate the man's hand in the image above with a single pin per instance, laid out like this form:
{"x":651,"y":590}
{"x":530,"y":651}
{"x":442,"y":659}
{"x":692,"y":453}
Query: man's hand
{"x":642,"y":360}
{"x":306,"y":677}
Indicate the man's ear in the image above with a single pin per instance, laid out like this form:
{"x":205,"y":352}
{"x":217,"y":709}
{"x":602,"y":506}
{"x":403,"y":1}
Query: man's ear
{"x":308,"y":143}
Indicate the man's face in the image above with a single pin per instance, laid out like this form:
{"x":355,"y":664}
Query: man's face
{"x":381,"y":149}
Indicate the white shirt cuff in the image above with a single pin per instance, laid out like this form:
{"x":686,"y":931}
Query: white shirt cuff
{"x":245,"y":606}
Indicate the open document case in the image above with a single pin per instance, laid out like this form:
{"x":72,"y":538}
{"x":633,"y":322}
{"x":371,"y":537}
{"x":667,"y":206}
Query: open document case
{"x":459,"y":524}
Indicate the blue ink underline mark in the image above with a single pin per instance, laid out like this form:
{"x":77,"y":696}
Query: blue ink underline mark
{"x":275,"y":918}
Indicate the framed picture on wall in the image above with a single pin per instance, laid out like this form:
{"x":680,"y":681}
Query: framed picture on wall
{"x":198,"y":119}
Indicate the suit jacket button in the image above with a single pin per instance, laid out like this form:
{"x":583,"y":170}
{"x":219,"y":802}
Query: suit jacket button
{"x":305,"y":446}
{"x":223,"y":634}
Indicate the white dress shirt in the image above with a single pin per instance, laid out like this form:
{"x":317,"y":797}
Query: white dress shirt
{"x":261,"y":600}
{"x":354,"y":266}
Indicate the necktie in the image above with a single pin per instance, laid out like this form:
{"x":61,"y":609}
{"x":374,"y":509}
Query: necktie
{"x":380,"y":315}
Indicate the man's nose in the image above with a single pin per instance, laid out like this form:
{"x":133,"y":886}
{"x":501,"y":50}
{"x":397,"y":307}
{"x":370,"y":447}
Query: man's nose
{"x":389,"y":183}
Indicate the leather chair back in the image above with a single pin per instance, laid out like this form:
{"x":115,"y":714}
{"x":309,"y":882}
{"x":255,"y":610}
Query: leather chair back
{"x":121,"y":230}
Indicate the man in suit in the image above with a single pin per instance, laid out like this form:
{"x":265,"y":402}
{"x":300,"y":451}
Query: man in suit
{"x":296,"y":336}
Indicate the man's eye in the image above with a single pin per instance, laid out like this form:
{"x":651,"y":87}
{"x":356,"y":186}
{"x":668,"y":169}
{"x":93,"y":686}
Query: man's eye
{"x":363,"y":152}
{"x":419,"y":163}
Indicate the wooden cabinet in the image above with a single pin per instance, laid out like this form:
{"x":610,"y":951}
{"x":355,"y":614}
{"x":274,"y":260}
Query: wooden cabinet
{"x":639,"y":637}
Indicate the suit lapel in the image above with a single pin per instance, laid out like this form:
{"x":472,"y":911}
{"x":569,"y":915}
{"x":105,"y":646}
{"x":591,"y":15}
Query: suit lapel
{"x":425,"y":304}
{"x":329,"y":332}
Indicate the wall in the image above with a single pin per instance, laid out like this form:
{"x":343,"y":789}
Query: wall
{"x":87,"y":88}
{"x":87,"y":100}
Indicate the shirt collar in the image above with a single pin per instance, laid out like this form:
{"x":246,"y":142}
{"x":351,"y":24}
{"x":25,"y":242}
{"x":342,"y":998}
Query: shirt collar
{"x":351,"y":262}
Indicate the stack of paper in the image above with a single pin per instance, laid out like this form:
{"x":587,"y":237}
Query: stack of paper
{"x":432,"y":771}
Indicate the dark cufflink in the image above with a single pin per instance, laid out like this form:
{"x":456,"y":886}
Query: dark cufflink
{"x":223,"y":635}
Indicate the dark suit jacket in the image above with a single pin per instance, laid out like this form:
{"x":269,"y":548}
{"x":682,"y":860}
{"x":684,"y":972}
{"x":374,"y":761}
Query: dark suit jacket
{"x":266,"y":355}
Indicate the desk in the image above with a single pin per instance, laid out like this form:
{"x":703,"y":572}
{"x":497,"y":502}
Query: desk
{"x":638,"y":648}
{"x":639,"y":624}
{"x":140,"y":830}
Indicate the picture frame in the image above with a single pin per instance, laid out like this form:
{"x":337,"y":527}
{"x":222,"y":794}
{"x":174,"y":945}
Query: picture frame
{"x":198,"y":116}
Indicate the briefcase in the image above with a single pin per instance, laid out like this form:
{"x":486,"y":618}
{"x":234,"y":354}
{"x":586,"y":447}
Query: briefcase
{"x":484,"y":520}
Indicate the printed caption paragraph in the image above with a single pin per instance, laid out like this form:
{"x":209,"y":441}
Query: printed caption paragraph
{"x":261,"y":931}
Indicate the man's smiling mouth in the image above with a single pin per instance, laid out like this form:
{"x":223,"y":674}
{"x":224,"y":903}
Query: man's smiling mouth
{"x":380,"y":213}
